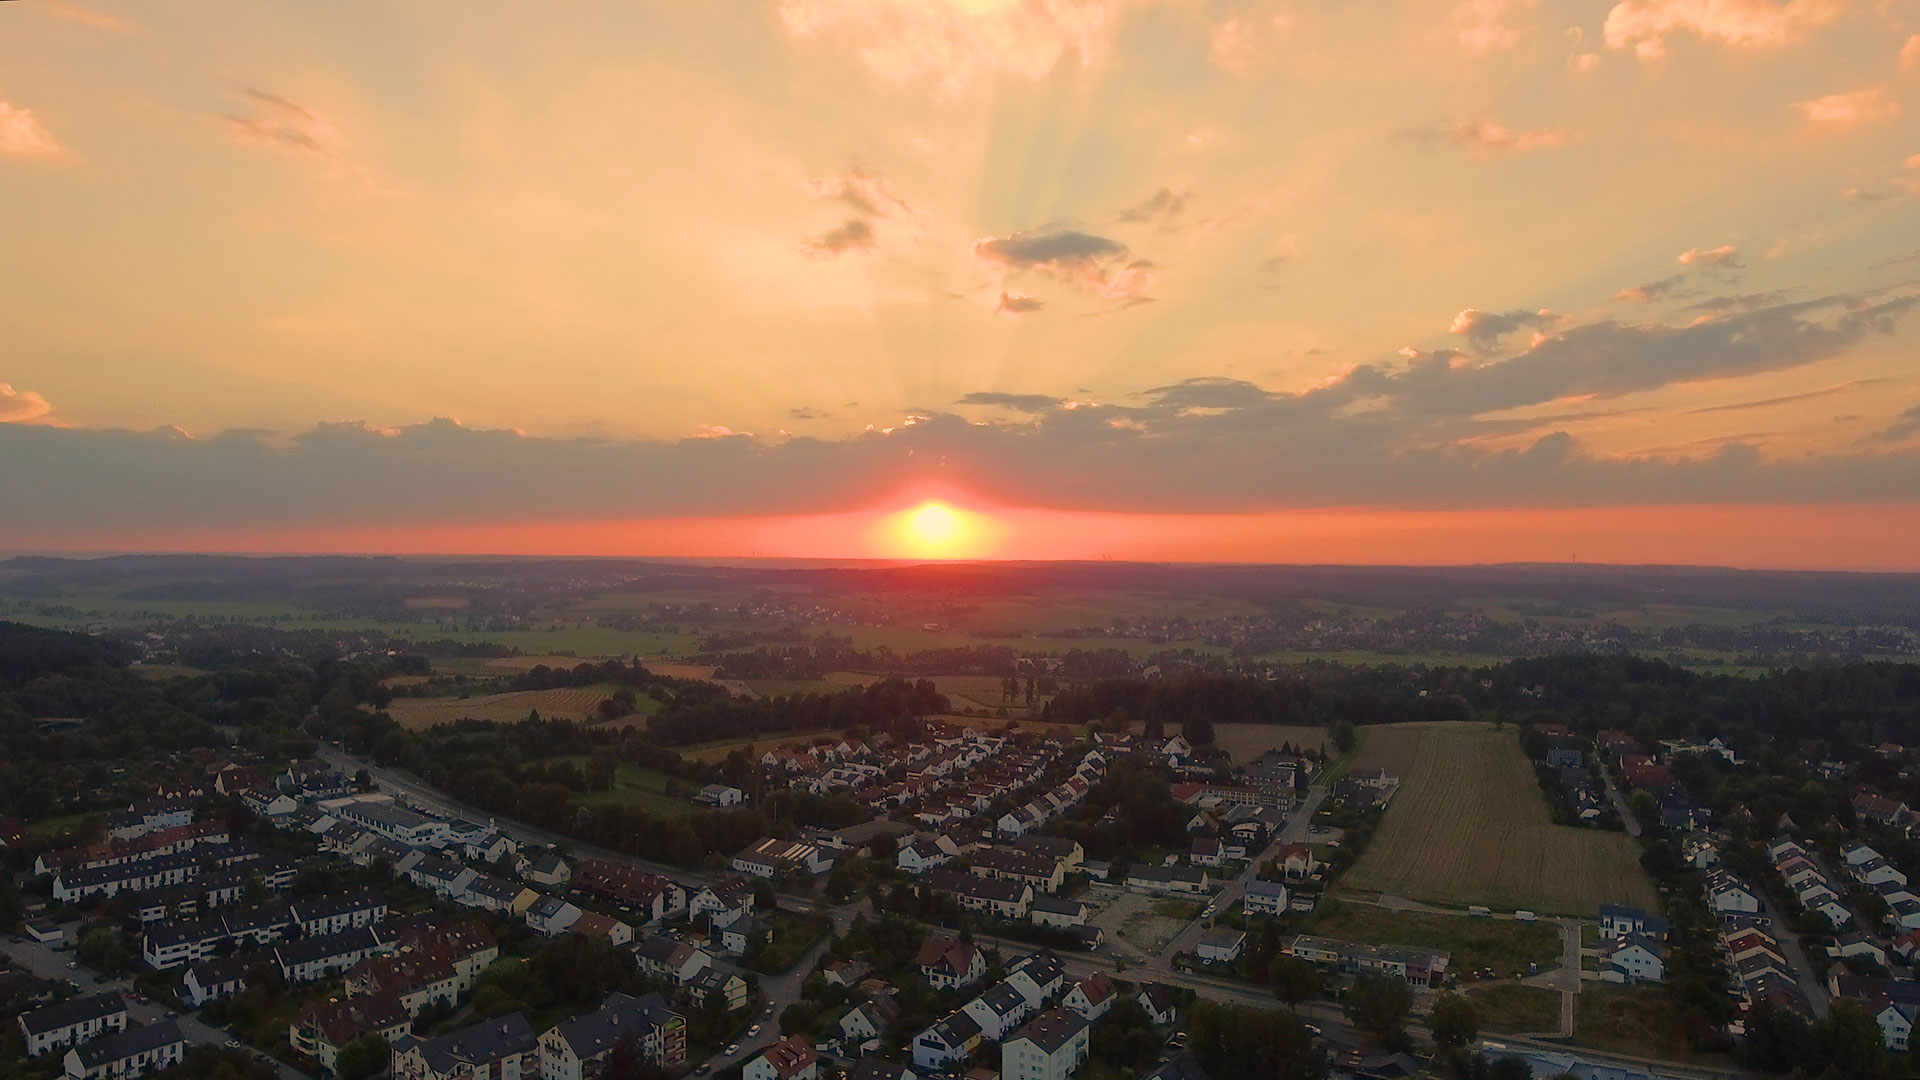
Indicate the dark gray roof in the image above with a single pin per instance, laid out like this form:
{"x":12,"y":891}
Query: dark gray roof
{"x":1183,"y":1066}
{"x":325,"y":946}
{"x":482,"y":1044}
{"x":67,"y":1013}
{"x":125,"y":1044}
{"x":620,"y":1016}
{"x":326,"y":907}
{"x":1052,"y":1029}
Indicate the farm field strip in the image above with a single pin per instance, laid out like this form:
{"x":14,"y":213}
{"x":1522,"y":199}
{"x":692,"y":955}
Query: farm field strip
{"x":1469,"y":826}
{"x":571,"y":703}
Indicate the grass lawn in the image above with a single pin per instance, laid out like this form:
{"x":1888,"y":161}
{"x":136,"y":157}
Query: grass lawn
{"x":634,"y":785}
{"x":1177,"y":909}
{"x":1506,"y":946}
{"x":1511,"y":1007}
{"x":793,"y":934}
{"x":48,"y":828}
{"x":1470,"y":826}
{"x":1631,"y":1019}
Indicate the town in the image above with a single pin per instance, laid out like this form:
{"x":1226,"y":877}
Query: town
{"x":936,"y":895}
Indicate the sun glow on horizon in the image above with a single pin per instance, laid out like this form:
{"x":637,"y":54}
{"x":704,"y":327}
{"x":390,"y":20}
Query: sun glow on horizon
{"x":938,"y":530}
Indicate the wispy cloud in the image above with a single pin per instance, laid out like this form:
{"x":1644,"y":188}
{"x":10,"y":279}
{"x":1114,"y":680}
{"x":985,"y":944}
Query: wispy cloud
{"x":1645,"y":25}
{"x":1726,"y":256}
{"x":954,"y":43}
{"x":1488,"y":25}
{"x":1488,"y":138}
{"x":22,"y":135}
{"x":1852,"y":109}
{"x":23,"y":406}
{"x":86,"y":16}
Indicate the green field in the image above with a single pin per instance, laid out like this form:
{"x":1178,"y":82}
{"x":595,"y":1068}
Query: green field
{"x":1640,"y":1020}
{"x":1502,"y":944}
{"x":636,"y":786}
{"x":1510,"y":1007}
{"x":1470,"y":826}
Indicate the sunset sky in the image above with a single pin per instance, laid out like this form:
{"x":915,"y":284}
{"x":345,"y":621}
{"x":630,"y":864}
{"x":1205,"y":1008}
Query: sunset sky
{"x":1252,"y":280}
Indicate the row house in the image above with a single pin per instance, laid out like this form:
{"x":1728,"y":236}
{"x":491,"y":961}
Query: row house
{"x":1043,"y":872}
{"x":664,"y":957}
{"x":150,"y":814}
{"x":134,"y":1052}
{"x":987,"y":896}
{"x":504,"y":1047}
{"x":316,"y":958}
{"x":1422,"y":967}
{"x":580,"y":1048}
{"x":149,"y":845}
{"x":649,"y":897}
{"x":70,"y":1023}
{"x":1191,"y":880}
{"x":222,"y":977}
{"x":74,"y":886}
{"x":322,"y":1027}
{"x":1810,"y":885}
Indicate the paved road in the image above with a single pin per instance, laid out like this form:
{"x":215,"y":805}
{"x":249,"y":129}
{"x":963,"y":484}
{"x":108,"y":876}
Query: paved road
{"x":48,"y":964}
{"x":1627,"y":819}
{"x":1796,"y":957}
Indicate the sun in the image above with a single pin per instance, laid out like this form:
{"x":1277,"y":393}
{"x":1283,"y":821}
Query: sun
{"x":935,"y":529}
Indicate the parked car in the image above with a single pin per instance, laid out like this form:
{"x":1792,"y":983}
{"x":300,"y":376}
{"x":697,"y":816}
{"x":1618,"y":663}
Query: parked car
{"x":1525,"y":916}
{"x":753,"y":1031}
{"x":732,"y":1049}
{"x":1479,"y":912}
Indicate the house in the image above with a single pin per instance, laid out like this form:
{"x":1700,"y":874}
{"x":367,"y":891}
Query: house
{"x":1422,"y":967}
{"x":711,"y":982}
{"x":1053,"y":911}
{"x":921,"y":856}
{"x":723,"y":901}
{"x":551,"y":915}
{"x":1296,"y":862}
{"x":1168,"y":879}
{"x":949,"y":963}
{"x":1857,"y":945}
{"x":1632,"y":958}
{"x":1010,"y":864}
{"x":1726,"y":893}
{"x":1220,"y":945}
{"x":70,"y":1023}
{"x":845,"y":972}
{"x":311,"y":959}
{"x":126,"y":1054}
{"x":332,"y":914}
{"x":1617,"y":921}
{"x":1206,"y":851}
{"x":675,"y":961}
{"x":578,"y":1049}
{"x":1265,"y":898}
{"x":320,"y":1028}
{"x":212,"y":979}
{"x":1052,"y":1046}
{"x":791,"y":1058}
{"x":1067,"y":852}
{"x":719,"y":797}
{"x":998,"y":1010}
{"x":989,"y":896}
{"x":1158,"y":1002}
{"x":947,"y":1042}
{"x":869,"y":1020}
{"x":1038,"y":976}
{"x":549,"y":870}
{"x":502,"y":1048}
{"x":1563,"y":751}
{"x":1091,"y":997}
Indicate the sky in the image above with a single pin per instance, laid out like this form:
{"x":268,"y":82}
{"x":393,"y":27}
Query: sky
{"x":1402,"y":281}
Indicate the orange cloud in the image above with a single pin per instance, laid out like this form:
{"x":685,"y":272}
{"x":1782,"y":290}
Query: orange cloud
{"x":86,"y":16}
{"x":954,"y":42}
{"x":23,"y":136}
{"x":1724,"y":255}
{"x":1488,"y":138}
{"x":1910,"y":54}
{"x":1244,"y":44}
{"x":1484,"y":26}
{"x":1842,"y":112}
{"x":22,"y":406}
{"x":1645,"y":25}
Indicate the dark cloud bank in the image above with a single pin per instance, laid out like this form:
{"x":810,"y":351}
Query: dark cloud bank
{"x":1377,"y":436}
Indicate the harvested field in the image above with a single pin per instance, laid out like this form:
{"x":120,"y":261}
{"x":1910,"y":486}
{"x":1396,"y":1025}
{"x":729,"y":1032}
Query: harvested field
{"x":566,"y":704}
{"x":1248,"y":741}
{"x":1470,"y":826}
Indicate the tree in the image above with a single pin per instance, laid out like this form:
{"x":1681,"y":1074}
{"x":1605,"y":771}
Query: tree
{"x":364,"y":1057}
{"x":1849,"y":1040}
{"x":1252,"y":1044}
{"x":1294,"y":980}
{"x":1455,"y":1021}
{"x":1343,"y":736}
{"x":1198,"y":730}
{"x":1378,"y":1005}
{"x":101,"y":949}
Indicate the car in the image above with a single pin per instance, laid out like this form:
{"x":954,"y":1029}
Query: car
{"x":233,"y":1044}
{"x":768,"y":1011}
{"x":733,"y":1049}
{"x":703,"y":1069}
{"x":1312,"y":1031}
{"x":752,"y":1031}
{"x":1523,"y":915}
{"x":73,"y":964}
